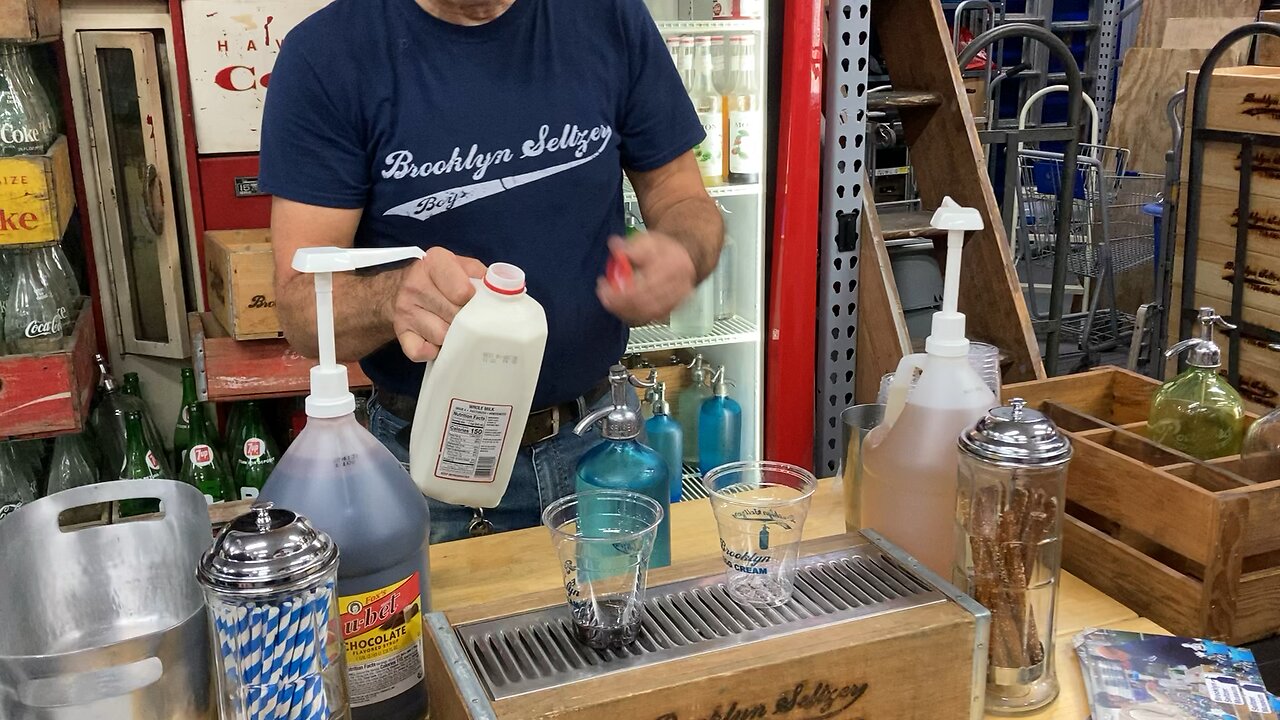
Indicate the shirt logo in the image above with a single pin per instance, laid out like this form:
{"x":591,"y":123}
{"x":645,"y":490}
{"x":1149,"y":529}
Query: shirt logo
{"x":572,"y":139}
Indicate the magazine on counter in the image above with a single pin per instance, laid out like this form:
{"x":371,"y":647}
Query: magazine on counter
{"x":1141,"y":676}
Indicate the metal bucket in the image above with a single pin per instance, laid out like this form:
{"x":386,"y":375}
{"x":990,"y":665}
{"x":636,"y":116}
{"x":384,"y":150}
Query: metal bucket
{"x":105,"y":622}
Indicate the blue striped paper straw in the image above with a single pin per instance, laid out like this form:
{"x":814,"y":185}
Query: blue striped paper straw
{"x":318,"y":709}
{"x":284,"y":647}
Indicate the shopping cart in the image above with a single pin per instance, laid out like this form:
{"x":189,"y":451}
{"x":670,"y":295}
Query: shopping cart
{"x":1109,"y":234}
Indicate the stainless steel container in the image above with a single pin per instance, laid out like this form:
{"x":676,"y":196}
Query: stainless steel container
{"x":269,"y":579}
{"x":105,"y":622}
{"x":1012,"y":486}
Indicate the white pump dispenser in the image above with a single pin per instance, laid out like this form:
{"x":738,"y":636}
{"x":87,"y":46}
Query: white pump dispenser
{"x":330,"y":391}
{"x":910,"y":461}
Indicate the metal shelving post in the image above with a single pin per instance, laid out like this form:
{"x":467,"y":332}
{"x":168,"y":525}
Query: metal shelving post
{"x":843,"y":191}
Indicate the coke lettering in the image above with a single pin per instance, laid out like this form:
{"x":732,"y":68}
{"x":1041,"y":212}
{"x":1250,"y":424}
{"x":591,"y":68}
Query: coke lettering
{"x":226,"y":78}
{"x":9,"y":135}
{"x":17,"y":221}
{"x":52,"y":326}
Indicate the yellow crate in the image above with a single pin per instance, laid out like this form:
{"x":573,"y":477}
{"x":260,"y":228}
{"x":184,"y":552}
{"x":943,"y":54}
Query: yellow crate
{"x":36,"y":196}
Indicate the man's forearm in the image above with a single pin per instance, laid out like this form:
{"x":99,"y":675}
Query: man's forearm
{"x":696,"y":224}
{"x":361,"y":316}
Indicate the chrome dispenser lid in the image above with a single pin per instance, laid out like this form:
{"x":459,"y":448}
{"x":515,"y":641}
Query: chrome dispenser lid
{"x":265,"y":551}
{"x":621,"y":422}
{"x":1016,"y":436}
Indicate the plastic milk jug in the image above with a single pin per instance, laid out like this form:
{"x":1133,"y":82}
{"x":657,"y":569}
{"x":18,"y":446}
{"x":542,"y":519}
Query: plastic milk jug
{"x":476,"y":395}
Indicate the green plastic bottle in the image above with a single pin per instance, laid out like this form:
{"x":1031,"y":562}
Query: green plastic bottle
{"x":1198,"y":412}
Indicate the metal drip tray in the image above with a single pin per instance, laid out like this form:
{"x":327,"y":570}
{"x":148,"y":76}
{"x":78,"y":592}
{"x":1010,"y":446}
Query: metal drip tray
{"x":537,"y":650}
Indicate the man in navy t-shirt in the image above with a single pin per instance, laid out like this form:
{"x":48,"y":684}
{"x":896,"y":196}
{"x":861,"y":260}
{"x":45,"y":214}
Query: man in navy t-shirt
{"x":380,"y":116}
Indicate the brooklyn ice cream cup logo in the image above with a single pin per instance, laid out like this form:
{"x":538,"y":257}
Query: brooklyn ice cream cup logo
{"x":745,"y":561}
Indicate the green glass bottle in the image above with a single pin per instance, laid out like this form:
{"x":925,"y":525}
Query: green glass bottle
{"x":1198,"y":412}
{"x":140,"y":463}
{"x":202,"y":467}
{"x":254,"y":451}
{"x":132,"y":385}
{"x":182,"y":430}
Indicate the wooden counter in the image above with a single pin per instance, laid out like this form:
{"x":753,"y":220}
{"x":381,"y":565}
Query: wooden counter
{"x":478,"y":570}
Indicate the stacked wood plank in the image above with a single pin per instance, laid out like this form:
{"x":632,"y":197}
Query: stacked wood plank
{"x":1174,"y":37}
{"x":1241,"y":99}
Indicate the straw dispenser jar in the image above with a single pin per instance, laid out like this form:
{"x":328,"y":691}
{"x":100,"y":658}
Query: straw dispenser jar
{"x":269,"y":580}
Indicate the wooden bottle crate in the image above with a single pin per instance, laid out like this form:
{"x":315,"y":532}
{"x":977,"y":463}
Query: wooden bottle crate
{"x":241,"y":282}
{"x":1193,"y":545}
{"x":48,"y":393}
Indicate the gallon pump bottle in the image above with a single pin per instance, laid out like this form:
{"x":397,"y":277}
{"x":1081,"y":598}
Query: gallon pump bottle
{"x":340,"y":477}
{"x":621,"y":462}
{"x":1199,"y":412}
{"x":476,"y":395}
{"x":910,"y":461}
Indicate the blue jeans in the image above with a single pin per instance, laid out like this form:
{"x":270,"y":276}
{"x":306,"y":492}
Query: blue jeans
{"x":542,"y":474}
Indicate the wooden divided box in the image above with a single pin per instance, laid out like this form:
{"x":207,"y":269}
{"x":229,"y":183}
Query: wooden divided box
{"x":241,"y":282}
{"x":36,"y":194}
{"x":48,"y":393}
{"x":1193,"y":545}
{"x":30,"y":20}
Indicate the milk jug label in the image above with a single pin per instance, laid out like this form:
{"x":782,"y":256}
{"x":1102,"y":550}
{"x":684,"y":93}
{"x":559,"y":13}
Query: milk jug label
{"x":382,"y":635}
{"x":473,"y":439}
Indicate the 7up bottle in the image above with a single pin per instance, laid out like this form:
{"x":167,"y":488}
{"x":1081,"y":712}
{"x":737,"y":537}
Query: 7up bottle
{"x":140,"y":463}
{"x":201,"y":466}
{"x":255,"y":452}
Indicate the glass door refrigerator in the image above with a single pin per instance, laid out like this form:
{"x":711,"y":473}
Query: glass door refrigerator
{"x":721,"y":51}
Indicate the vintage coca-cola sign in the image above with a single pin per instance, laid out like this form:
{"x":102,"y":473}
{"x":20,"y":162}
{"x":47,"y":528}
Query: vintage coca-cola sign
{"x":231,"y":49}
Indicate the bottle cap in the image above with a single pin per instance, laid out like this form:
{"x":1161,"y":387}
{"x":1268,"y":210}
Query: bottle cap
{"x":504,"y":279}
{"x":267,"y":550}
{"x":1016,"y":436}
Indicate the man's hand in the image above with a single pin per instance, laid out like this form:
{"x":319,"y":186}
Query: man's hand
{"x":430,"y":293}
{"x":663,"y":276}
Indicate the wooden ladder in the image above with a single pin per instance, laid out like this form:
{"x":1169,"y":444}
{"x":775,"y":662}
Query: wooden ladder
{"x":947,"y":159}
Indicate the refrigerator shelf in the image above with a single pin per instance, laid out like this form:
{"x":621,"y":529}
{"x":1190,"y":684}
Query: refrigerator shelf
{"x":657,"y":336}
{"x":671,"y":27}
{"x":714,"y":191}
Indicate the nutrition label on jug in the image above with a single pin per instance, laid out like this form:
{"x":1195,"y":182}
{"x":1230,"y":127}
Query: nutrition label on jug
{"x":473,"y":438}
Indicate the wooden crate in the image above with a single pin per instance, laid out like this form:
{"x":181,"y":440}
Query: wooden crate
{"x":48,"y":393}
{"x":36,"y":194}
{"x":235,"y":370}
{"x":1244,"y":98}
{"x":241,"y":289}
{"x":30,"y":20}
{"x":1193,"y":545}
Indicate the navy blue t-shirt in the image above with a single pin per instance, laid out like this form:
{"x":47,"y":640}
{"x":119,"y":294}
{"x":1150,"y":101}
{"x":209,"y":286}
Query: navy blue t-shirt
{"x":503,"y":141}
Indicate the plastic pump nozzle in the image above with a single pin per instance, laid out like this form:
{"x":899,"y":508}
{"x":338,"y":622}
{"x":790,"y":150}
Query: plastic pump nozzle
{"x":1205,"y":352}
{"x":946,"y":337}
{"x":330,"y":392}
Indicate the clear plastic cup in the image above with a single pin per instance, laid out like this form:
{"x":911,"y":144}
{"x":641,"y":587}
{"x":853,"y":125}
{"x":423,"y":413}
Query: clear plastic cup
{"x":760,"y":508}
{"x":604,"y":539}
